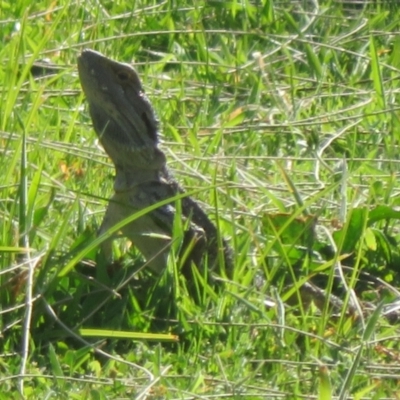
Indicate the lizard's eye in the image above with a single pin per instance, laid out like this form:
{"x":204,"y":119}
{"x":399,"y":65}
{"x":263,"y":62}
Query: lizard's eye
{"x":123,"y":76}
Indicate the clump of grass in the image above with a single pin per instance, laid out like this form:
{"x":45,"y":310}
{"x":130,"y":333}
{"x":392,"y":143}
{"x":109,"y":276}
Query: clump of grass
{"x":281,"y":118}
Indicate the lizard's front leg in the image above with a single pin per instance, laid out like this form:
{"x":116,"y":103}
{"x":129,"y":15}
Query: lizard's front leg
{"x":116,"y":212}
{"x":152,"y":233}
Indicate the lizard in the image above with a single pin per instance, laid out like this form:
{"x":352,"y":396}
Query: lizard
{"x":128,"y":129}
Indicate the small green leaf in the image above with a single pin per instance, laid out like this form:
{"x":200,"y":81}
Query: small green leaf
{"x":370,"y":240}
{"x":325,"y":388}
{"x":105,"y":333}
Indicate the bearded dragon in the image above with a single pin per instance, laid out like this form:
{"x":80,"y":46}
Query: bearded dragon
{"x":127,"y":128}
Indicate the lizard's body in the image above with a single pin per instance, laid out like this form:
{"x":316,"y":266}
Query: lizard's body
{"x":125,"y":123}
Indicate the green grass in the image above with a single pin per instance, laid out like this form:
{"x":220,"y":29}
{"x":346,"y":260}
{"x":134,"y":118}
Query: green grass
{"x":282,"y":118}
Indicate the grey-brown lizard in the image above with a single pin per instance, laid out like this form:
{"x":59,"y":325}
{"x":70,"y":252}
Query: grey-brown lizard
{"x":125,"y":123}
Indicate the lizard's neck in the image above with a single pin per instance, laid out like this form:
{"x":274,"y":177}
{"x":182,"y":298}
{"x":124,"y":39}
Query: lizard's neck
{"x":127,"y":178}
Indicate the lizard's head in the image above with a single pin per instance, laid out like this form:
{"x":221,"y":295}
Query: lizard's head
{"x":122,"y":116}
{"x":115,"y":94}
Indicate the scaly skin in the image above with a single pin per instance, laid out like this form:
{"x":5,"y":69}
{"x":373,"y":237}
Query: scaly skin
{"x":125,"y":123}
